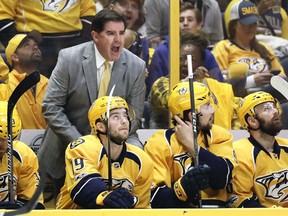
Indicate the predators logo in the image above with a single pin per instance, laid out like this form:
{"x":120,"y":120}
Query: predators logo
{"x":276,"y":185}
{"x":58,"y":6}
{"x":255,"y":65}
{"x":184,"y":161}
{"x":124,"y":183}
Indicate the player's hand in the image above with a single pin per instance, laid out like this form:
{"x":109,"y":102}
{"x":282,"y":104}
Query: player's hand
{"x":184,"y":134}
{"x":192,"y":182}
{"x":119,"y":198}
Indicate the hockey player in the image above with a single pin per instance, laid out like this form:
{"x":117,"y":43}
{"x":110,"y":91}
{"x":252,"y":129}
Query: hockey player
{"x":87,"y":163}
{"x":25,"y":164}
{"x":261,"y":178}
{"x":176,"y":180}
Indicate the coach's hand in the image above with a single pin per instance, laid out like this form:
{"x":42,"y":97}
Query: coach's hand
{"x":119,"y":198}
{"x":192,"y":182}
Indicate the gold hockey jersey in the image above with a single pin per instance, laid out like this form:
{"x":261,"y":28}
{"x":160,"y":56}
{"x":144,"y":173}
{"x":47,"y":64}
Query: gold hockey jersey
{"x":261,"y":177}
{"x":25,"y":171}
{"x":87,"y":173}
{"x":172,"y":161}
{"x":47,"y":16}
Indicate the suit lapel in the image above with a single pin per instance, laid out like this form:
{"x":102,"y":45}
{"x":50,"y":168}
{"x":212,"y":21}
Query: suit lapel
{"x":90,"y":71}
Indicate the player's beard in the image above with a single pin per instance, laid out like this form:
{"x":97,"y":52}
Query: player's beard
{"x":208,"y":125}
{"x":272,"y":128}
{"x":118,"y":137}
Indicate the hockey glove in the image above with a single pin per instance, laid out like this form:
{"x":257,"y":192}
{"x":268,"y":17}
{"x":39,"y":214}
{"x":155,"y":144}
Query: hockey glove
{"x":119,"y":198}
{"x":192,"y":182}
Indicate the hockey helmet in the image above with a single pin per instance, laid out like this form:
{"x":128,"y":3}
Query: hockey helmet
{"x":247,"y":105}
{"x":16,"y":121}
{"x":99,"y":108}
{"x":179,"y":99}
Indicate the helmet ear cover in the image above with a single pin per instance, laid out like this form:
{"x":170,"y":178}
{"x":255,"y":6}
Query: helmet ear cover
{"x":16,"y":121}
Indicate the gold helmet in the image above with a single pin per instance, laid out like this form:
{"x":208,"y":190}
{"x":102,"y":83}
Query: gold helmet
{"x":99,"y":108}
{"x":247,"y":105}
{"x":179,"y":99}
{"x":16,"y":121}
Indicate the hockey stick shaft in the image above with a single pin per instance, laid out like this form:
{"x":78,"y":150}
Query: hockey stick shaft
{"x":280,"y":85}
{"x":109,"y":142}
{"x":23,"y":86}
{"x":194,"y":119}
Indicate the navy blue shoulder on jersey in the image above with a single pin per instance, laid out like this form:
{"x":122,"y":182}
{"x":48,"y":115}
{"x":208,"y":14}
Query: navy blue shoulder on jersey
{"x":17,"y":156}
{"x":168,"y":134}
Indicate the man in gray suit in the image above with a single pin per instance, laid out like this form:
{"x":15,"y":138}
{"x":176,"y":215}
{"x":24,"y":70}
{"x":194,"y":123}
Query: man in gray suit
{"x":74,"y":85}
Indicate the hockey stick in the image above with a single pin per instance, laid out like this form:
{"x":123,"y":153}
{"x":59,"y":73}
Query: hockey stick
{"x":280,"y":85}
{"x":23,"y":86}
{"x":108,"y":136}
{"x":194,"y":123}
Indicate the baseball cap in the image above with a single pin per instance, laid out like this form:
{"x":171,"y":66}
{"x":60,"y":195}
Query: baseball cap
{"x":17,"y":40}
{"x":244,"y":11}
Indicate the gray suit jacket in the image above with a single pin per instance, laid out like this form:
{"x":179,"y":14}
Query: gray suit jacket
{"x":72,"y":88}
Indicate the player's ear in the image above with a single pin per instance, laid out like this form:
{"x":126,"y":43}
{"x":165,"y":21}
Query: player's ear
{"x":253,"y":122}
{"x":100,"y":126}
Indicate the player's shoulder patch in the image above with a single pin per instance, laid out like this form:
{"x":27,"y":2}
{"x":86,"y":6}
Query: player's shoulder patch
{"x":77,"y":142}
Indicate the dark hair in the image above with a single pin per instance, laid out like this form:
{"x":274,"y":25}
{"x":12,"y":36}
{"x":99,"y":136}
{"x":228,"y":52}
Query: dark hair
{"x":255,"y":45}
{"x":188,"y":6}
{"x":104,"y":16}
{"x":196,"y":39}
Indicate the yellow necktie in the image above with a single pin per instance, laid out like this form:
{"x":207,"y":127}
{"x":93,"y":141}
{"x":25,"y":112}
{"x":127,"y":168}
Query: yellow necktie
{"x":105,"y":79}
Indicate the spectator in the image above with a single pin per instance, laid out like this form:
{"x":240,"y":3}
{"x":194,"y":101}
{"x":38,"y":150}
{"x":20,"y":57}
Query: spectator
{"x":75,"y":83}
{"x":212,"y":25}
{"x":272,"y":21}
{"x":190,"y":21}
{"x":133,"y":12}
{"x":132,"y":169}
{"x":176,"y":178}
{"x":248,"y":61}
{"x":195,"y":45}
{"x":261,"y":176}
{"x":157,"y":21}
{"x":62,"y":24}
{"x":25,"y":164}
{"x":24,"y":57}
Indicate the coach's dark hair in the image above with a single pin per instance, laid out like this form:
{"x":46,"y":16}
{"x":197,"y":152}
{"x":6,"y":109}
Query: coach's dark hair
{"x":104,"y":16}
